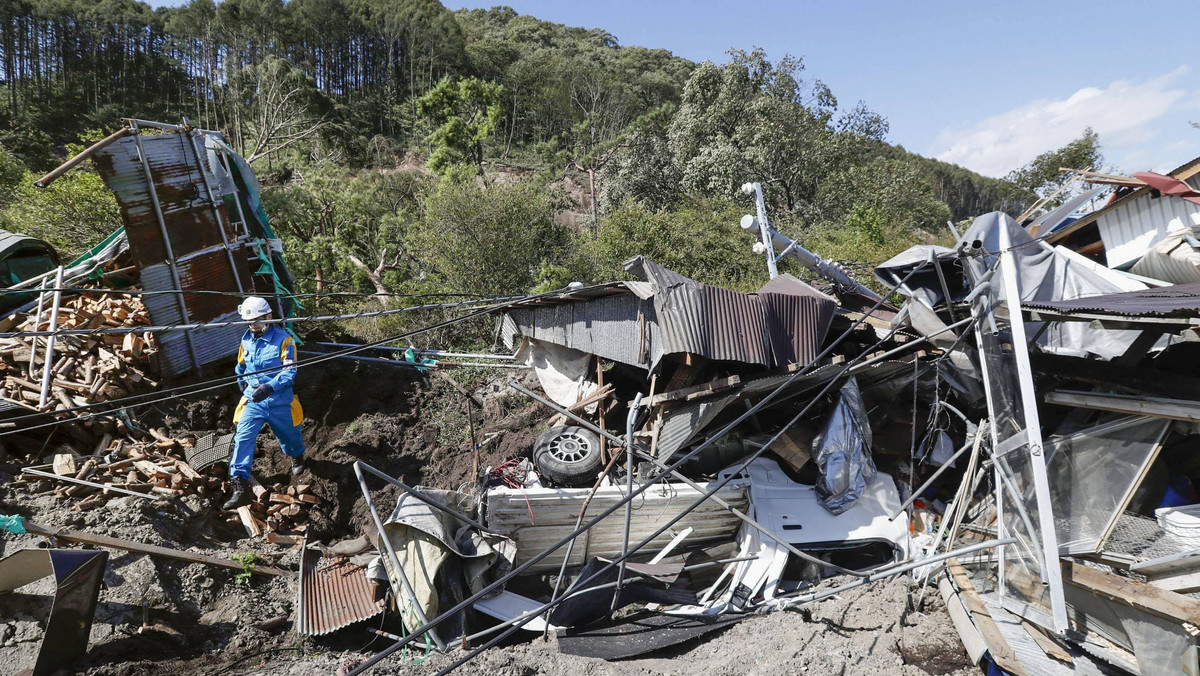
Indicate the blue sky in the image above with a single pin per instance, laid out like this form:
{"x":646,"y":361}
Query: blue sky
{"x":984,"y":85}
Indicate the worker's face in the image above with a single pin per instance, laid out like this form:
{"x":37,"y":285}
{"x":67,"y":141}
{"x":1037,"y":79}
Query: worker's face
{"x":260,"y":325}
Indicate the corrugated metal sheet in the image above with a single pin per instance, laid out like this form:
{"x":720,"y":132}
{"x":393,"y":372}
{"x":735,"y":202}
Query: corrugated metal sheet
{"x":798,"y":317}
{"x":637,"y":323}
{"x":555,"y":511}
{"x":191,"y":221}
{"x":1129,"y":229}
{"x":713,"y":322}
{"x":333,"y":593}
{"x":1181,"y":300}
{"x":213,"y":343}
{"x":607,"y":326}
{"x":199,"y":233}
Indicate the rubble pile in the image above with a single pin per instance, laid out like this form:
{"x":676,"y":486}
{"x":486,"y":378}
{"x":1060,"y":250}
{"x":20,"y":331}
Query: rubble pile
{"x":1007,"y":425}
{"x":84,"y":369}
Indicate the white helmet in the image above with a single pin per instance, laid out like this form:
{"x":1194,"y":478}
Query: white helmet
{"x":253,"y":308}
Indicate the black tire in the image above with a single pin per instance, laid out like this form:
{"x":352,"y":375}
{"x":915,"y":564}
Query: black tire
{"x":568,"y":456}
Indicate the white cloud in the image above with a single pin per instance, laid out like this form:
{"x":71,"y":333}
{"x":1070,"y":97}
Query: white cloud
{"x":1123,"y":114}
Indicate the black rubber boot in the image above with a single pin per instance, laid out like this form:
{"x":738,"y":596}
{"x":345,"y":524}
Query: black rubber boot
{"x":298,"y":465}
{"x":239,"y":494}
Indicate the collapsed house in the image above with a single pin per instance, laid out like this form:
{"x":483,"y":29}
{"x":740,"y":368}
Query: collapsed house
{"x":1016,"y":434}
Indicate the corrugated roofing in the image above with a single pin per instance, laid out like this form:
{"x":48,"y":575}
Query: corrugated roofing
{"x":637,"y":323}
{"x":1181,"y":300}
{"x":333,"y":593}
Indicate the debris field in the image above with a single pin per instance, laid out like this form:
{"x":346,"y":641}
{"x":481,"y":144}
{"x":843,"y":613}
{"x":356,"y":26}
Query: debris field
{"x":981,"y":461}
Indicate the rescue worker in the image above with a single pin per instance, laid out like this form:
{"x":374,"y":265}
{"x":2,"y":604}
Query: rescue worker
{"x":266,"y":397}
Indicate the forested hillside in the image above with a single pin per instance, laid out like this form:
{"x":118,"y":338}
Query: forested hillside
{"x":409,"y":148}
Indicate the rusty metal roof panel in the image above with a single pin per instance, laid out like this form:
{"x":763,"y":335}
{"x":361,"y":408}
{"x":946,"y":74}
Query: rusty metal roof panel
{"x":1181,"y":300}
{"x":333,"y":593}
{"x":192,"y":222}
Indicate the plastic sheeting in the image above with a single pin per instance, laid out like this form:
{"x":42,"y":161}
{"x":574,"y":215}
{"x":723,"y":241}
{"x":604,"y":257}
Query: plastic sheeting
{"x":1045,"y":274}
{"x":426,"y":540}
{"x":562,"y":371}
{"x":842,"y":452}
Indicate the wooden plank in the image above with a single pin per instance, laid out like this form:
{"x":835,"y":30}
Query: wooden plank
{"x":1160,"y":602}
{"x":1157,"y":407}
{"x":1052,"y":649}
{"x":152,"y":550}
{"x":1001,"y":652}
{"x":253,"y":528}
{"x":694,"y":392}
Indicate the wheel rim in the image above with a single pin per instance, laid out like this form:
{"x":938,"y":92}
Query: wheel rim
{"x":570,"y":447}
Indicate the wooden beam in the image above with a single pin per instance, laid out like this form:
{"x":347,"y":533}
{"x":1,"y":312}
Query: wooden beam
{"x":1002,"y":653}
{"x":694,"y":392}
{"x":1160,"y":602}
{"x":1155,"y":407}
{"x":152,"y":550}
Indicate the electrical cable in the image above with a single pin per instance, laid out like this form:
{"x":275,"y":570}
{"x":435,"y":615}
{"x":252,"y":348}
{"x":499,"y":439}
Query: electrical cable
{"x":114,"y":405}
{"x":239,"y":294}
{"x":645,"y":486}
{"x":121,"y":330}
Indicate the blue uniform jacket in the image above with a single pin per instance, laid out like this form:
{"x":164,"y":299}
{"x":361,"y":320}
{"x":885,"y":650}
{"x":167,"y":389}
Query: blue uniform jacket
{"x":274,"y":348}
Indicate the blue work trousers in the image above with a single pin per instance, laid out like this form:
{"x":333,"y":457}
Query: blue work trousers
{"x":283,"y":415}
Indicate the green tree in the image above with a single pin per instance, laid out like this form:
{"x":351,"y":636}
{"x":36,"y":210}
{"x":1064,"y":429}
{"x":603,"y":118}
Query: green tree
{"x":1042,"y":174}
{"x":465,"y":112}
{"x":492,"y":239}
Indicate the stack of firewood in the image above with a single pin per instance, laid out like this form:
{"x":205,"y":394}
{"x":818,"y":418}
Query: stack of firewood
{"x":156,"y":468}
{"x":279,"y":513}
{"x":85,"y":369}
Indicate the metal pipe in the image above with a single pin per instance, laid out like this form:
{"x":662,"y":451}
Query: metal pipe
{"x":764,"y":228}
{"x":422,"y":496}
{"x":945,"y":287}
{"x":86,"y":153}
{"x":48,"y":360}
{"x":84,"y":482}
{"x":166,"y":237}
{"x":212,"y":199}
{"x":630,"y":419}
{"x":434,"y":353}
{"x":391,"y":552}
{"x":895,"y":569}
{"x":37,"y":321}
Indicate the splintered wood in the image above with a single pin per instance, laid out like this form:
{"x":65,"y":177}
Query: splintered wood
{"x":84,"y":369}
{"x":156,"y":467}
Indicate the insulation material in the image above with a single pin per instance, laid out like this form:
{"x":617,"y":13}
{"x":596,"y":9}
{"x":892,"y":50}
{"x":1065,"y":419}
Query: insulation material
{"x":842,"y":451}
{"x":562,"y":371}
{"x":1175,"y":259}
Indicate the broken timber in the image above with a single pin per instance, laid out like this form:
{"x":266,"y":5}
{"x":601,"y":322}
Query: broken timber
{"x":152,"y":550}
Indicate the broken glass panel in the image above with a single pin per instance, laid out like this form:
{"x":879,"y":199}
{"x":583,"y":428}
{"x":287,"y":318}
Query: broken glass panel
{"x":1031,"y":582}
{"x":1093,"y":473}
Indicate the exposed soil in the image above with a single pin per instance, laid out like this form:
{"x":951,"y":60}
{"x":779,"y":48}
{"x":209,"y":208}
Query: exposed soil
{"x":157,"y":617}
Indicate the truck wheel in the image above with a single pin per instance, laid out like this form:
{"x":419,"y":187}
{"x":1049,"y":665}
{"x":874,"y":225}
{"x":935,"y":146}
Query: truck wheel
{"x":568,"y":456}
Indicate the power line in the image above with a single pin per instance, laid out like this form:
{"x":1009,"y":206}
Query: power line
{"x":121,"y":330}
{"x":114,"y":405}
{"x":239,"y":294}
